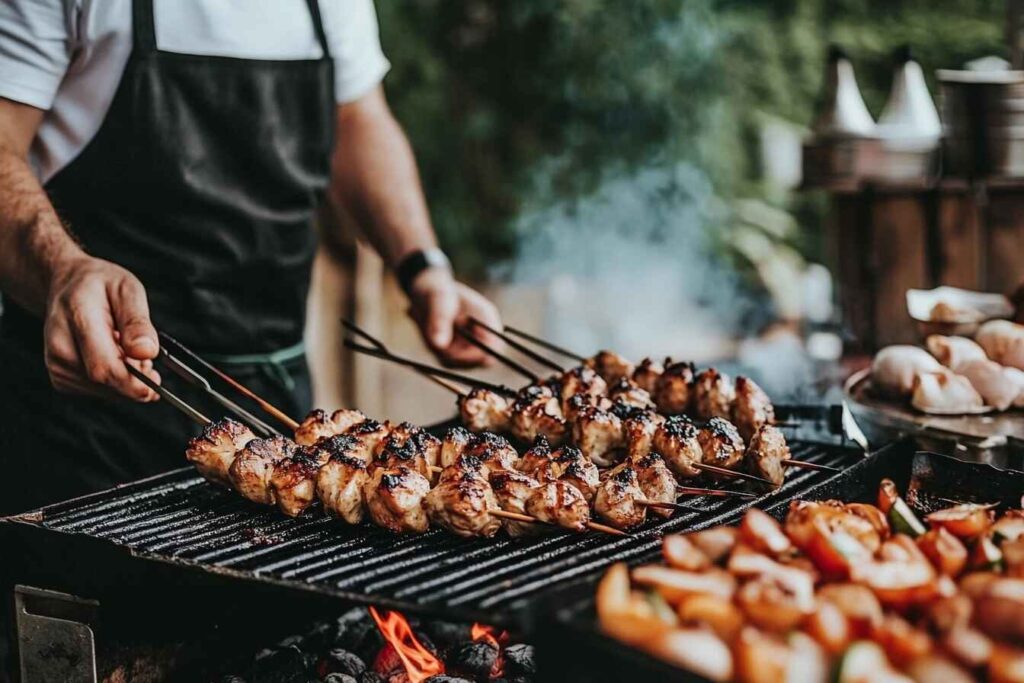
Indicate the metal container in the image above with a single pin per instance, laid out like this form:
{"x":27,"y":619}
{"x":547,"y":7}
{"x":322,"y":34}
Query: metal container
{"x":983,"y":123}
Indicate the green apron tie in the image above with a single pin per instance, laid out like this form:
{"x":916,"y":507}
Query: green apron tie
{"x":272,"y":363}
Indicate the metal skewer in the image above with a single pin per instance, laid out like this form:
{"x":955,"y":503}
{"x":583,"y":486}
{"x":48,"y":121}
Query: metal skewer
{"x":518,"y":346}
{"x":237,"y":386}
{"x":502,"y":358}
{"x":546,"y":344}
{"x":190,"y":375}
{"x":168,"y":396}
{"x":423,"y":367}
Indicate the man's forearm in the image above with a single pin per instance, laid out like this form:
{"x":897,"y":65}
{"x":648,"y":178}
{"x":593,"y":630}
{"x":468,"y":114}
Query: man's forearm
{"x":376,"y":180}
{"x":32,"y":239}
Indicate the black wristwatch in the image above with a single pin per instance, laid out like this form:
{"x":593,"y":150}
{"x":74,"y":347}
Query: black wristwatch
{"x":418,"y":261}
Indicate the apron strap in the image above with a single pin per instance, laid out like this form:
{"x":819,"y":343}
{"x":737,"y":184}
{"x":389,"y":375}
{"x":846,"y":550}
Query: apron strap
{"x":318,"y":26}
{"x":271,"y":364}
{"x":143,"y":26}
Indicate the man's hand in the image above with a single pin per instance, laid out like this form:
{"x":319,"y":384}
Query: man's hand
{"x":97,"y":317}
{"x":439,"y":304}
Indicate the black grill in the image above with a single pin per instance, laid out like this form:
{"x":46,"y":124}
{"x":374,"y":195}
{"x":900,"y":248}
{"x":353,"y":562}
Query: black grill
{"x":192,"y":528}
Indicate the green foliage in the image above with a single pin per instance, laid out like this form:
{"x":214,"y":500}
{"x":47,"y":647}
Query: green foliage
{"x":508,"y":101}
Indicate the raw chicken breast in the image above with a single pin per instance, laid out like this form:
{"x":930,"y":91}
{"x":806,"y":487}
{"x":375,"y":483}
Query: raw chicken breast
{"x":943,"y":391}
{"x":1000,"y":386}
{"x":1003,"y":341}
{"x":894,"y":367}
{"x":953,"y":351}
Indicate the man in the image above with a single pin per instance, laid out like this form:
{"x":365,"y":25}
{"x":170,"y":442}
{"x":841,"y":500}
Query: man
{"x":160,"y":165}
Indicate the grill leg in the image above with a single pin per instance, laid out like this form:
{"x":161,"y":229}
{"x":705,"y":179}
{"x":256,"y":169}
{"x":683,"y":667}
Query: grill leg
{"x":53,"y":636}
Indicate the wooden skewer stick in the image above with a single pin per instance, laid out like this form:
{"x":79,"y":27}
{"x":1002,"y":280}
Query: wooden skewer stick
{"x":723,"y":493}
{"x":169,"y":396}
{"x":546,"y":344}
{"x":502,"y":358}
{"x":664,"y":504}
{"x":604,"y":528}
{"x":729,"y":473}
{"x":237,"y":386}
{"x":521,"y":348}
{"x":423,"y":367}
{"x":354,"y":329}
{"x":810,"y":465}
{"x":515,"y":516}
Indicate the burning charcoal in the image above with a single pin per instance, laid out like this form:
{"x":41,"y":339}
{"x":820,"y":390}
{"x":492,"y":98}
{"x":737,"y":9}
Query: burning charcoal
{"x":426,"y":642}
{"x":443,"y":678}
{"x":352,"y":627}
{"x":474,"y":659}
{"x":320,"y":637}
{"x":284,"y":665}
{"x":371,"y":677}
{"x":341,"y":661}
{"x":519,"y":660}
{"x":231,"y":678}
{"x":340,"y":678}
{"x":370,"y":644}
{"x":446,"y":633}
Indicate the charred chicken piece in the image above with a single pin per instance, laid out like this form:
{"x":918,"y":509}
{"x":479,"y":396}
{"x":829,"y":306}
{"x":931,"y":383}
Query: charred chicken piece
{"x":537,"y":463}
{"x":598,"y":433}
{"x":428,"y":445}
{"x":213,"y":451}
{"x":581,"y":380}
{"x":461,"y":503}
{"x":319,"y":424}
{"x":713,"y":394}
{"x":721,"y":444}
{"x":559,"y":503}
{"x":673,"y":390}
{"x":751,"y":408}
{"x":610,"y":366}
{"x":536,"y":412}
{"x":253,"y":467}
{"x":629,"y":392}
{"x":370,"y":434}
{"x":765,"y":453}
{"x":656,"y":481}
{"x":512,"y":489}
{"x":293,"y":481}
{"x":573,"y":467}
{"x":639,"y":430}
{"x":485,"y":411}
{"x":494,"y":451}
{"x":677,"y":440}
{"x":394,"y":499}
{"x":339,"y":486}
{"x":398,"y":453}
{"x":646,"y":375}
{"x":455,"y":442}
{"x":576,"y":404}
{"x":616,"y":500}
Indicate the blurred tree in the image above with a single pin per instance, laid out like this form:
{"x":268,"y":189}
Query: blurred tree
{"x":508,"y":102}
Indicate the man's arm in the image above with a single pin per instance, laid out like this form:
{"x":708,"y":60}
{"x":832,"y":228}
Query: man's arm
{"x":374,"y":177}
{"x":95,"y":312}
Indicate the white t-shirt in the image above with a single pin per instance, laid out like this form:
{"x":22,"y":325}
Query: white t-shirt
{"x":67,"y":56}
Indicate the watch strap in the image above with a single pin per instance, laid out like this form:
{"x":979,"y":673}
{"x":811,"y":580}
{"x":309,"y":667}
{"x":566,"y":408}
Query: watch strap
{"x":418,"y":261}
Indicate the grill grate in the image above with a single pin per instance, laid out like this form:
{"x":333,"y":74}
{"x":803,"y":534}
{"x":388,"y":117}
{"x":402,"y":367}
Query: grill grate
{"x":183,"y":522}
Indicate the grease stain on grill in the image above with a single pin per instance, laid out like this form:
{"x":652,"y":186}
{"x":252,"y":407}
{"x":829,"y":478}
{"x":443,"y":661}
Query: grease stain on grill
{"x":260,"y":537}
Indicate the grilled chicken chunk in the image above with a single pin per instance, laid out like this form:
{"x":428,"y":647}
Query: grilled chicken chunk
{"x":598,"y":433}
{"x":536,"y":412}
{"x":494,"y":451}
{"x":610,"y":366}
{"x":396,"y":452}
{"x":213,"y":451}
{"x":628,"y":392}
{"x":536,"y":461}
{"x":721,"y":444}
{"x":751,"y":408}
{"x":713,"y":394}
{"x":578,"y":403}
{"x":512,"y":489}
{"x":253,"y":467}
{"x":572,"y":467}
{"x":339,"y":486}
{"x":461,"y":503}
{"x":293,"y":481}
{"x":455,"y":442}
{"x":371,"y":435}
{"x":765,"y":453}
{"x":647,"y":373}
{"x":616,"y":500}
{"x":581,"y":380}
{"x":676,"y":440}
{"x":319,"y":424}
{"x":485,"y":411}
{"x":673,"y":390}
{"x":559,"y":503}
{"x":639,"y":430}
{"x":394,"y":499}
{"x":656,"y":481}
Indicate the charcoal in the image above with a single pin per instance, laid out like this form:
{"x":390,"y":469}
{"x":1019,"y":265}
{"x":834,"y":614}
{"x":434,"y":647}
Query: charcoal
{"x":352,"y":627}
{"x":446,"y":633}
{"x":519,"y":660}
{"x":231,"y":678}
{"x":369,"y":645}
{"x":283,"y":665}
{"x":427,"y":642}
{"x":371,"y":677}
{"x":295,"y":640}
{"x":341,"y":661}
{"x":320,"y":637}
{"x":444,"y":678}
{"x":339,"y":678}
{"x":473,"y":659}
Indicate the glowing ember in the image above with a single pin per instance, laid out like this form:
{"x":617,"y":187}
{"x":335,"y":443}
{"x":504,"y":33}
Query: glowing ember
{"x":494,"y":637}
{"x":419,"y":663}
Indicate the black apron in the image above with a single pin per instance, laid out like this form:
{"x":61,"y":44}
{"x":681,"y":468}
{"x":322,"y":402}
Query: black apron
{"x":203,"y":181}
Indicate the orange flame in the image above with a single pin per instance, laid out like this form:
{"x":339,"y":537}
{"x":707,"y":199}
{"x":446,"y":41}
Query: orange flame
{"x":495,"y":638}
{"x":419,"y":663}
